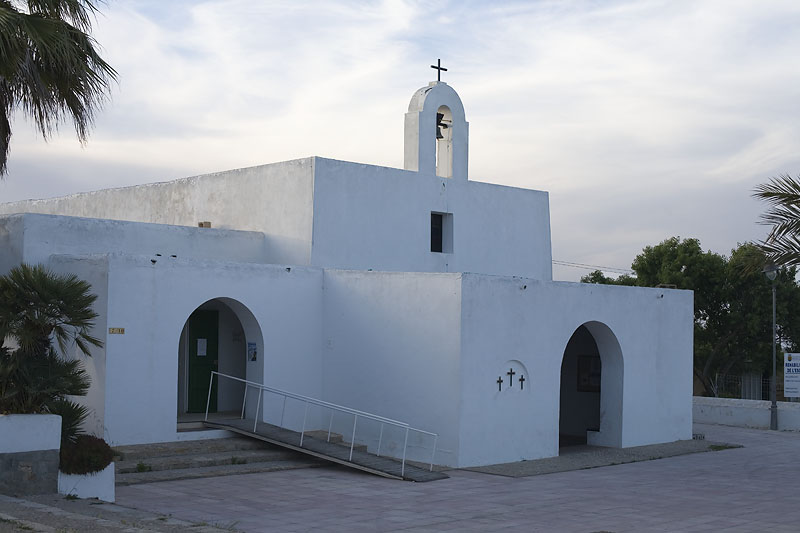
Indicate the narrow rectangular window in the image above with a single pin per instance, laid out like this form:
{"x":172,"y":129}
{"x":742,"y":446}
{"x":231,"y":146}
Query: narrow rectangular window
{"x":436,"y":232}
{"x":442,"y":232}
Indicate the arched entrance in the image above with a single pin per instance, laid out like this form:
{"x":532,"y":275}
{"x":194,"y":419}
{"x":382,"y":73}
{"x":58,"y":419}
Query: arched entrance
{"x":220,"y":335}
{"x":590,"y":409}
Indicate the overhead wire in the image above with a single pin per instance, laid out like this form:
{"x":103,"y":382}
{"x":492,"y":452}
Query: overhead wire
{"x":572,"y":264}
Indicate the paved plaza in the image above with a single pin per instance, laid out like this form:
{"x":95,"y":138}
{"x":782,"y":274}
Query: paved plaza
{"x":753,"y":488}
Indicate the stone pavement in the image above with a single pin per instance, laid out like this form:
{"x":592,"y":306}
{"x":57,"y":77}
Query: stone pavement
{"x":743,"y":489}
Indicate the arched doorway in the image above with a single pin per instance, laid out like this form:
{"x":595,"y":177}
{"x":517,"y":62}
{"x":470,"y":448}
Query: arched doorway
{"x":220,"y":335}
{"x":590,"y":406}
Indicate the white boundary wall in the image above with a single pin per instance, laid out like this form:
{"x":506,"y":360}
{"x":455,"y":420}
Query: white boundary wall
{"x":29,"y":433}
{"x":744,"y":413}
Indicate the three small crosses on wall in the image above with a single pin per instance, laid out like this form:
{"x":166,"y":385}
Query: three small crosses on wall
{"x":510,"y":375}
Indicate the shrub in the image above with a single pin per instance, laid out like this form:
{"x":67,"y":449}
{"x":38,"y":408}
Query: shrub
{"x":86,"y":455}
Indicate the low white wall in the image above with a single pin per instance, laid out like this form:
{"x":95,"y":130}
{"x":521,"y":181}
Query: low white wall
{"x":99,"y":485}
{"x":29,"y":449}
{"x":744,"y":413}
{"x":28,"y":433}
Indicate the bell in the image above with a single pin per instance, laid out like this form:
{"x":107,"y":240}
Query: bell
{"x":440,"y":125}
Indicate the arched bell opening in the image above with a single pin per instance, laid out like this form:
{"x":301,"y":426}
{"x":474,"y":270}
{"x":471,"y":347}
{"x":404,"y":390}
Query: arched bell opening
{"x":444,"y":142}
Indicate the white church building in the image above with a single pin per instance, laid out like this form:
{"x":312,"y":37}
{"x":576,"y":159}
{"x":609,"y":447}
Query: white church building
{"x":413,"y":293}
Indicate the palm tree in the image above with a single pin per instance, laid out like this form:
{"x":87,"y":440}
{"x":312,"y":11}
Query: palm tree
{"x":49,"y":66}
{"x":782,"y":245}
{"x":39,"y":310}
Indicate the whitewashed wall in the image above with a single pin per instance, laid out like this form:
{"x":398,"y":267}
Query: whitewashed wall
{"x":379,"y":218}
{"x":391,"y":347}
{"x":142,"y":364}
{"x":52,"y":234}
{"x":745,"y":413}
{"x":93,"y":270}
{"x":530,"y":321}
{"x":358,"y":217}
{"x":11,"y":242}
{"x":274,"y":199}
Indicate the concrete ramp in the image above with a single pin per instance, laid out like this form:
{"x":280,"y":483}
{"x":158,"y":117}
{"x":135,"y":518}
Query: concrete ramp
{"x":321,"y":448}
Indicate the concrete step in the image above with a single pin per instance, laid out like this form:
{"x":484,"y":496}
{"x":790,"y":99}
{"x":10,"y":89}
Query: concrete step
{"x":219,"y":470}
{"x":194,"y":460}
{"x":147,"y":463}
{"x":335,"y":438}
{"x":322,"y":434}
{"x":163,"y":449}
{"x":357,"y":447}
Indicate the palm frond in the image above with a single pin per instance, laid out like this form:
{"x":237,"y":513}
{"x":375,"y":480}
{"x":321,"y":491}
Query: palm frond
{"x":49,"y":67}
{"x":72,"y":414}
{"x":782,"y":245}
{"x":781,"y":190}
{"x":38,"y":305}
{"x":783,"y":250}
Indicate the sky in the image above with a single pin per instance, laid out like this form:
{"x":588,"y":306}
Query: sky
{"x":643,"y":119}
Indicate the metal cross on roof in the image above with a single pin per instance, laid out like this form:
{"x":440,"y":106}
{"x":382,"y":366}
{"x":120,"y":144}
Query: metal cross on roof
{"x":439,"y":68}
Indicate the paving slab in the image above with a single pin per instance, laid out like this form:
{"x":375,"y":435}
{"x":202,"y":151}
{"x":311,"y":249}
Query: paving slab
{"x":55,"y":513}
{"x":738,"y":489}
{"x":582,"y":457}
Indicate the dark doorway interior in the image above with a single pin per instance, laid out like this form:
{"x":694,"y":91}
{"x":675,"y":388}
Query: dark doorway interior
{"x":203,"y":347}
{"x":581,"y":369}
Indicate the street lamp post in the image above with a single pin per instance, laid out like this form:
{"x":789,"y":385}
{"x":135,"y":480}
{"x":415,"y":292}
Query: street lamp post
{"x":771,"y":272}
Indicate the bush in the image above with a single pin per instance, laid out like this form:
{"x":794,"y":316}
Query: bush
{"x":86,"y":455}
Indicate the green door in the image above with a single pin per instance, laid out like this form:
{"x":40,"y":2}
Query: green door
{"x":203,"y":357}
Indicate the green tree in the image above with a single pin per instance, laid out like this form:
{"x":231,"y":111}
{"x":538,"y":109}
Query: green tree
{"x":732,"y":303}
{"x":40,"y":310}
{"x":597,"y":276}
{"x":49,"y":66}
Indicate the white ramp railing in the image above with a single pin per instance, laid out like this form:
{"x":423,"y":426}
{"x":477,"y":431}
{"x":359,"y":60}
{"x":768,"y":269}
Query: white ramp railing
{"x":326,"y":405}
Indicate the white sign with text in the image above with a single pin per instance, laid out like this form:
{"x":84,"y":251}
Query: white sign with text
{"x":791,"y":375}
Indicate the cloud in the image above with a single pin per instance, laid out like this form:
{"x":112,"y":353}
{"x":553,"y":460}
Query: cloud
{"x":647,"y":111}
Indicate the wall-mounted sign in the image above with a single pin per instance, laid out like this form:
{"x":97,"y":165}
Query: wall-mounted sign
{"x":202,"y":347}
{"x":116,"y":331}
{"x":252,"y":351}
{"x":791,"y":375}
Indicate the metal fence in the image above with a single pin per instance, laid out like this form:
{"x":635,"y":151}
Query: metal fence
{"x":749,"y":387}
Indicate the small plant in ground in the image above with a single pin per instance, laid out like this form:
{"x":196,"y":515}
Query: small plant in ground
{"x":71,"y":497}
{"x":720,"y":447}
{"x":141,"y":467}
{"x":238,"y":461}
